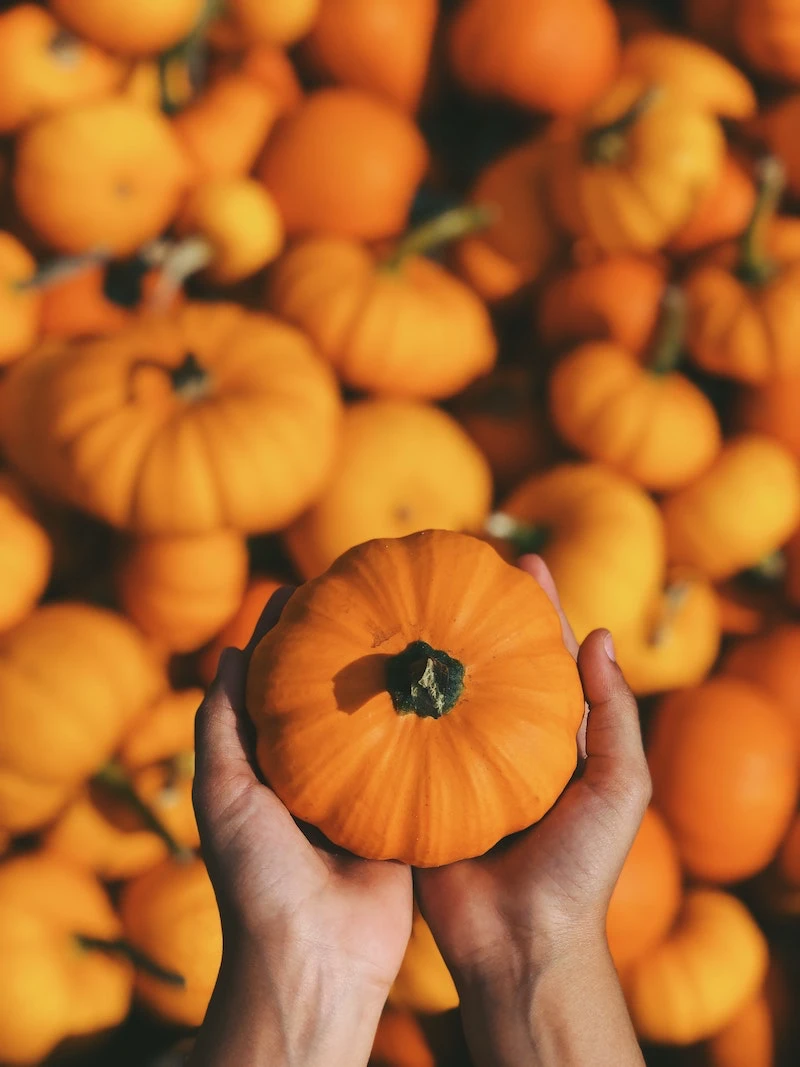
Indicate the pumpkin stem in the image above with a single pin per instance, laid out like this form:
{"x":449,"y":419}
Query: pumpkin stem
{"x":606,"y":145}
{"x":121,"y":947}
{"x":673,"y":600}
{"x":450,"y":226}
{"x":524,"y":537}
{"x":57,"y":270}
{"x":179,"y":261}
{"x":424,"y":680}
{"x":668,"y":346}
{"x":116,"y":780}
{"x":755,"y":266}
{"x":770,"y":569}
{"x":183,"y":67}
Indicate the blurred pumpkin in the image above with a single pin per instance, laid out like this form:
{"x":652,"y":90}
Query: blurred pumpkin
{"x":769,"y":660}
{"x":26,"y":555}
{"x":170,"y":913}
{"x":44,"y":68}
{"x":549,"y":55}
{"x":722,"y":214}
{"x":712,"y":20}
{"x":85,"y":178}
{"x":630,"y":171}
{"x":382,"y":46}
{"x":708,"y":526}
{"x":400,"y":1041}
{"x":145,"y":28}
{"x":791,"y":556}
{"x":771,"y":408}
{"x":701,"y":975}
{"x":56,"y":981}
{"x":398,"y":326}
{"x":273,"y":69}
{"x":239,"y":629}
{"x":776,"y":126}
{"x":767,"y":34}
{"x":748,"y":1040}
{"x":381,"y":698}
{"x":274,"y":21}
{"x":647,"y":896}
{"x":401,"y":467}
{"x":20,"y":301}
{"x":789,"y":855}
{"x":423,"y":983}
{"x":723,"y":760}
{"x":344,"y":163}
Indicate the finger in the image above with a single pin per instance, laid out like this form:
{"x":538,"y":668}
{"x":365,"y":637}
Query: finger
{"x":269,"y":616}
{"x":538,"y":569}
{"x":219,"y":743}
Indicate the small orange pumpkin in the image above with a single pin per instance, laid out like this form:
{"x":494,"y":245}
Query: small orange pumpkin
{"x":771,"y":408}
{"x":26,"y":556}
{"x":767,"y":34}
{"x":707,"y":526}
{"x":418,"y":679}
{"x":274,"y":21}
{"x":43,"y":68}
{"x":148,"y":28}
{"x":776,"y":127}
{"x":723,"y":759}
{"x":748,"y":1040}
{"x":401,"y":467}
{"x":400,"y":1041}
{"x":423,"y":983}
{"x":344,"y":163}
{"x":84,"y":178}
{"x":712,"y":20}
{"x":722,"y":215}
{"x":769,"y":660}
{"x":240,"y":628}
{"x":20,"y":302}
{"x":271,"y":67}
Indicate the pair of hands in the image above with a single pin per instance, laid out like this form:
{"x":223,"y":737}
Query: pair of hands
{"x":314,"y":937}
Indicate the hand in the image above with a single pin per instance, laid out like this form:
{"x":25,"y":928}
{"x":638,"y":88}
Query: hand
{"x":313,"y":936}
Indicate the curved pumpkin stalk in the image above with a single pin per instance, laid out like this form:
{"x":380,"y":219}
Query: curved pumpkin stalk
{"x":116,"y":780}
{"x":670,"y":332}
{"x":58,"y":270}
{"x":755,"y":265}
{"x":524,"y":537}
{"x":450,"y":226}
{"x":606,"y":144}
{"x":178,"y":262}
{"x":121,"y":947}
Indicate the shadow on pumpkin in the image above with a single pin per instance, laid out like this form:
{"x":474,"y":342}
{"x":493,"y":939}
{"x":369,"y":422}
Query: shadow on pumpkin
{"x":360,"y":681}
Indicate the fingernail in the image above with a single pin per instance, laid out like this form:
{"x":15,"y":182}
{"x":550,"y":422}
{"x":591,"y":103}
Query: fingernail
{"x":608,"y":645}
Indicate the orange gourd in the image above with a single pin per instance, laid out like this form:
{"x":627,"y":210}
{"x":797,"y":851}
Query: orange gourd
{"x":769,"y":660}
{"x":85,"y":179}
{"x":26,"y":556}
{"x":767,"y":34}
{"x":423,"y":983}
{"x":20,"y":302}
{"x":53,"y":985}
{"x":723,"y":759}
{"x":399,"y":325}
{"x":776,"y":126}
{"x":400,"y":1041}
{"x":647,"y":897}
{"x":771,"y":408}
{"x":275,"y":21}
{"x":239,"y":629}
{"x":712,"y":20}
{"x":146,"y":28}
{"x":344,"y":163}
{"x":748,"y":1040}
{"x":650,"y":423}
{"x":420,"y":643}
{"x":708,"y":526}
{"x":272,"y":68}
{"x":401,"y":467}
{"x":789,"y":855}
{"x":170,"y":913}
{"x":44,"y":68}
{"x":701,"y":975}
{"x":630,"y":171}
{"x":61,"y":725}
{"x":181,"y":590}
{"x":550,"y":55}
{"x":722,"y":215}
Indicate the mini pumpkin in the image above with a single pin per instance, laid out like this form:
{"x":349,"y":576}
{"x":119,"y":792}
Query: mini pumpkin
{"x":769,"y":660}
{"x":707,"y":526}
{"x":423,"y":983}
{"x":748,"y":1040}
{"x":150,"y":27}
{"x":275,"y":21}
{"x":239,"y":629}
{"x":776,"y":127}
{"x":400,"y":1041}
{"x":345,"y":163}
{"x":767,"y":34}
{"x":26,"y":556}
{"x":722,"y":215}
{"x":408,"y":683}
{"x":401,"y":467}
{"x":272,"y":68}
{"x":20,"y":301}
{"x":723,"y":760}
{"x":709,"y":966}
{"x":771,"y":408}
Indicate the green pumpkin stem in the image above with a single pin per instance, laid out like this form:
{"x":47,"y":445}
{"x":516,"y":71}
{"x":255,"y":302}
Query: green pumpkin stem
{"x":606,"y":145}
{"x":755,"y":265}
{"x":674,"y":598}
{"x":424,"y":680}
{"x":450,"y":226}
{"x":178,"y":261}
{"x":58,"y":270}
{"x":771,"y":569}
{"x":142,"y":962}
{"x":117,"y":781}
{"x":524,"y":537}
{"x":668,"y":345}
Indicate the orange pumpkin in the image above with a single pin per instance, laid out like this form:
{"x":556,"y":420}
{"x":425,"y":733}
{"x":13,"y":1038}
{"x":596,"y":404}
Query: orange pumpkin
{"x":26,"y":556}
{"x":789,"y":855}
{"x":20,"y":302}
{"x":647,"y":896}
{"x":53,"y":984}
{"x":723,"y":759}
{"x":712,"y":20}
{"x":748,"y":1040}
{"x":399,"y":326}
{"x":744,"y":608}
{"x":401,"y":467}
{"x":400,"y":1041}
{"x":702,"y":974}
{"x":771,"y":408}
{"x":61,"y":725}
{"x":240,"y":628}
{"x":169,"y":427}
{"x":723,"y":213}
{"x":707,"y":526}
{"x":631,"y":170}
{"x":776,"y":127}
{"x":43,"y":68}
{"x":275,"y":21}
{"x":650,"y":423}
{"x":170,"y":913}
{"x":272,"y":68}
{"x":423,"y":983}
{"x":550,"y":55}
{"x":767,"y":34}
{"x":84,"y":179}
{"x":420,"y":643}
{"x":147,"y":28}
{"x":382,"y":46}
{"x":769,"y":660}
{"x":601,"y":536}
{"x":181,"y":590}
{"x":344,"y":163}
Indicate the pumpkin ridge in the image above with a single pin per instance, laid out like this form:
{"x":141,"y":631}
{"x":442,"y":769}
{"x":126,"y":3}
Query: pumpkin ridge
{"x":424,"y":680}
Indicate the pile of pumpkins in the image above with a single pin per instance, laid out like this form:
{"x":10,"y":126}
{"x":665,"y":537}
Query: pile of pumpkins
{"x":280,"y":276}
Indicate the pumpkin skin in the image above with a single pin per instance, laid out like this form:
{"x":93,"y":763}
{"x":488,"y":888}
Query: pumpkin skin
{"x":768,"y":34}
{"x":406,"y":329}
{"x":170,"y":913}
{"x":401,"y":467}
{"x":632,"y":190}
{"x":44,"y":69}
{"x":422,"y":610}
{"x":547,"y":55}
{"x":723,"y":759}
{"x":84,"y":178}
{"x":423,"y":983}
{"x":271,"y":67}
{"x":776,"y":126}
{"x":400,"y":1042}
{"x":722,"y":215}
{"x":20,"y":308}
{"x":647,"y":897}
{"x":789,"y":856}
{"x":52,"y":988}
{"x":164,"y":478}
{"x":181,"y":590}
{"x":703,"y":973}
{"x":275,"y":21}
{"x":602,"y":538}
{"x":26,"y":556}
{"x":153,"y":26}
{"x":344,"y":163}
{"x":771,"y":409}
{"x":748,"y":1040}
{"x":708,"y":529}
{"x":769,"y":660}
{"x":240,"y":627}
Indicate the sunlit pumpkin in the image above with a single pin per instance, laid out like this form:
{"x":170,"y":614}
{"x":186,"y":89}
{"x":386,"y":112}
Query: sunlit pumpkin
{"x":423,"y":983}
{"x":722,"y":215}
{"x":771,"y":408}
{"x":274,"y":21}
{"x":748,"y":1040}
{"x":400,"y":1041}
{"x":240,"y":628}
{"x":145,"y":28}
{"x":769,"y":660}
{"x":26,"y":555}
{"x":20,"y":303}
{"x":776,"y":127}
